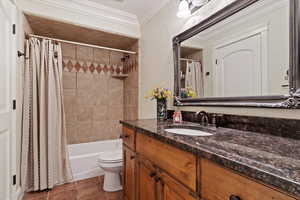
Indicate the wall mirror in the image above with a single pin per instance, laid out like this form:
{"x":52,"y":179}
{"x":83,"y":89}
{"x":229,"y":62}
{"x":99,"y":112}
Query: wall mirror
{"x":246,"y":54}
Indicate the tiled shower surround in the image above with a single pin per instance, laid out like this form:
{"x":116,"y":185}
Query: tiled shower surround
{"x":94,"y":100}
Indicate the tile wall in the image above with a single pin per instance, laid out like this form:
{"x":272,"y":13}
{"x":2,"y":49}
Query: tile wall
{"x":131,"y":85}
{"x":94,"y":101}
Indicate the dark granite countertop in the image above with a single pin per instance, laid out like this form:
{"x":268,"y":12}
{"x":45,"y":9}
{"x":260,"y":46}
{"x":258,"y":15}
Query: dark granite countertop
{"x":269,"y":159}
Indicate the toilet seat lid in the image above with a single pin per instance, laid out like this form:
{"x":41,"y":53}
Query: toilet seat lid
{"x":111,"y":156}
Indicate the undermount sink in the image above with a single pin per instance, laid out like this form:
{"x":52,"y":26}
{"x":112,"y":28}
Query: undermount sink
{"x":188,"y":132}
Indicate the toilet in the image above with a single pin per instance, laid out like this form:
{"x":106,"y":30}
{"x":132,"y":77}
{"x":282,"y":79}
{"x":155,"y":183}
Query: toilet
{"x":111,"y":162}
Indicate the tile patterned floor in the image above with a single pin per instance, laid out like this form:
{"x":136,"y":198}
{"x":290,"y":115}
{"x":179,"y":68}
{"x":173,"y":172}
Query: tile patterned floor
{"x":89,"y":189}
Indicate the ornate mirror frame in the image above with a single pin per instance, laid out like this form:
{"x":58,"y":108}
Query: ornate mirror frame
{"x":291,"y":100}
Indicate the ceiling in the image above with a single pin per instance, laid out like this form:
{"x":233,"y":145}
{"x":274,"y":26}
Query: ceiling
{"x":143,"y":9}
{"x":65,"y":31}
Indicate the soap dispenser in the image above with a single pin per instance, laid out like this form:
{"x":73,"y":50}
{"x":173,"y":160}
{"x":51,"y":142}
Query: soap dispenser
{"x":177,"y":116}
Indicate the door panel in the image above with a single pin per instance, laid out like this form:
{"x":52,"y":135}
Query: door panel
{"x":146,"y":185}
{"x":173,"y":190}
{"x":129,"y":174}
{"x":6,"y":66}
{"x":238,"y":68}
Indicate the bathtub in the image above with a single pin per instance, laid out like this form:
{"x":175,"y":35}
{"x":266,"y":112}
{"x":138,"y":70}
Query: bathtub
{"x":83,"y":157}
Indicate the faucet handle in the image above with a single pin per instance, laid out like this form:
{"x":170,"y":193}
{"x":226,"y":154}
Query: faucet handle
{"x":218,"y":118}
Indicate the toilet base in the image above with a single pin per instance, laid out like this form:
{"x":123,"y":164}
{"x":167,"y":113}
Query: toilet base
{"x":112,"y":182}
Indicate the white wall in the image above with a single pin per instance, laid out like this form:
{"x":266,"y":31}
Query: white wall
{"x":84,"y":13}
{"x":157,"y":60}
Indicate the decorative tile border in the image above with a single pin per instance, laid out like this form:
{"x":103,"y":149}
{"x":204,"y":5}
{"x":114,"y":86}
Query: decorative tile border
{"x":92,"y":67}
{"x":71,"y":65}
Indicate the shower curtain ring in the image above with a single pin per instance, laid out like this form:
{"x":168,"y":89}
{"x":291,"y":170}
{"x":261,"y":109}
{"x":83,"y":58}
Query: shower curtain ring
{"x":21,"y":54}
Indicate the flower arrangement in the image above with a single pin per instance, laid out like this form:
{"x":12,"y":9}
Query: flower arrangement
{"x":159,"y":93}
{"x":188,"y":93}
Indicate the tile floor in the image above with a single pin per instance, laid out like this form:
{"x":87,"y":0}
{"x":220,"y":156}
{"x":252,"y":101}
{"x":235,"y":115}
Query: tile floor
{"x":89,"y":189}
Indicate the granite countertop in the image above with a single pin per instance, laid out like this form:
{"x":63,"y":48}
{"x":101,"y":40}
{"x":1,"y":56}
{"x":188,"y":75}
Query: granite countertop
{"x":269,"y":159}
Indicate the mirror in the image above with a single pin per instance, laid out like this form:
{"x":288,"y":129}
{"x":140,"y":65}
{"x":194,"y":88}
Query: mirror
{"x":242,"y":53}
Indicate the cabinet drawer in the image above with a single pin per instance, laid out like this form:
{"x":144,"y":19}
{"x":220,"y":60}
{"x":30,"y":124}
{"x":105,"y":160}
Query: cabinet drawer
{"x":218,"y":183}
{"x":128,"y":136}
{"x":179,"y":164}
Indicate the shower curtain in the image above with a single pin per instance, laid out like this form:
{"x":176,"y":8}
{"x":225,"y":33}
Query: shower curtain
{"x":194,"y":77}
{"x":44,"y":157}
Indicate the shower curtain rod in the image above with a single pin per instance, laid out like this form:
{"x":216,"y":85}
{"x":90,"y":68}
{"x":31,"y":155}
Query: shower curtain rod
{"x":186,"y":59}
{"x":82,"y":44}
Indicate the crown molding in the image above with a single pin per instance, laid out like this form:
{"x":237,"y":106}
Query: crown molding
{"x":145,"y":19}
{"x":84,"y":13}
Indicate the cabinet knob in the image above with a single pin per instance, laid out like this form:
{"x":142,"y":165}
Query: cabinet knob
{"x":132,"y":157}
{"x":152,"y":174}
{"x":157,"y":179}
{"x":234,"y":197}
{"x":124,"y":136}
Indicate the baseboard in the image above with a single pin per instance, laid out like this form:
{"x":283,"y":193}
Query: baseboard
{"x":18,"y":195}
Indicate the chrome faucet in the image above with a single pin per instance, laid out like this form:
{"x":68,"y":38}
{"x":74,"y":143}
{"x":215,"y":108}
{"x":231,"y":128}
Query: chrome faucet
{"x":204,"y":118}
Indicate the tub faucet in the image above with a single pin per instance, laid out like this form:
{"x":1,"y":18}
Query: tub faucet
{"x":204,"y":118}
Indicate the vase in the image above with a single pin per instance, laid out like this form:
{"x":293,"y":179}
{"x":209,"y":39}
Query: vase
{"x":161,"y":109}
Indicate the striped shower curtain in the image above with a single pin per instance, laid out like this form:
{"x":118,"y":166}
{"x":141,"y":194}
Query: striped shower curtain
{"x":44,"y":156}
{"x":194,"y":77}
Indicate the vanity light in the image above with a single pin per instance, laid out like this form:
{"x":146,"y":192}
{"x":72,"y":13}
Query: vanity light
{"x":184,"y":9}
{"x":198,"y":3}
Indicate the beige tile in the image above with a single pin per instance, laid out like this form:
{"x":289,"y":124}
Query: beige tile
{"x":84,"y":97}
{"x":131,"y":113}
{"x":116,"y":98}
{"x":69,"y":80}
{"x":115,"y":113}
{"x":84,"y":113}
{"x":84,"y":130}
{"x":84,"y":80}
{"x":115,"y":129}
{"x":72,"y":134}
{"x":101,"y":83}
{"x":101,"y":56}
{"x":100,"y":113}
{"x":84,"y":53}
{"x":68,"y":51}
{"x":71,"y":118}
{"x":115,"y":58}
{"x":69,"y":104}
{"x":69,"y":92}
{"x":115,"y":84}
{"x":101,"y":130}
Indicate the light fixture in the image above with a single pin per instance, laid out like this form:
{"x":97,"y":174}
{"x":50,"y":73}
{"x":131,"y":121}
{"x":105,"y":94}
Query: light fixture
{"x":184,"y":9}
{"x":199,"y":3}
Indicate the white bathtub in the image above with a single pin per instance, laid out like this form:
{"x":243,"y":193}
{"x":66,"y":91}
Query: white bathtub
{"x":83,"y":157}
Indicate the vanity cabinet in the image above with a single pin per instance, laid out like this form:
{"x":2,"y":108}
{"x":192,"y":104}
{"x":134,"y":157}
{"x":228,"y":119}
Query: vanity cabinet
{"x":129,"y":163}
{"x":146,"y":187}
{"x":218,"y":183}
{"x":171,"y":189}
{"x":179,"y":164}
{"x":129,"y":173}
{"x":154,"y":170}
{"x":155,"y":184}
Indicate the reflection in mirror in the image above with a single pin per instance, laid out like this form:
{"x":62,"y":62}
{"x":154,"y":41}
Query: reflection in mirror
{"x":246,"y":54}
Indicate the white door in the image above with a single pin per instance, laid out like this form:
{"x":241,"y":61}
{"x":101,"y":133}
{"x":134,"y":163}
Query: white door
{"x":7,"y":42}
{"x":238,"y":68}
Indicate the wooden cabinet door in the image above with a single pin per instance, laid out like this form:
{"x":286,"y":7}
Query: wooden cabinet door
{"x":173,"y":190}
{"x":129,"y":174}
{"x":146,"y":184}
